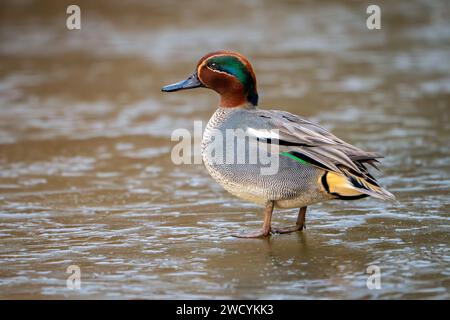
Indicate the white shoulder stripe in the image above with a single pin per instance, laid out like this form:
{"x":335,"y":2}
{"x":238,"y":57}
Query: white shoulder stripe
{"x":263,"y":133}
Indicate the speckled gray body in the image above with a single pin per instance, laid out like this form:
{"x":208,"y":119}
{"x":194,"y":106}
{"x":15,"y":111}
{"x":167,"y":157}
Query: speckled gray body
{"x":292,"y":185}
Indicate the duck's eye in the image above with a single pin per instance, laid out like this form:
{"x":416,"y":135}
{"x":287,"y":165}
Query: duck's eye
{"x":213,"y":65}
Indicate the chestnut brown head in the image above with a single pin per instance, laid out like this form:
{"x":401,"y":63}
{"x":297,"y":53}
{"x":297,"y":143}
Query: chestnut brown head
{"x":226,"y":72}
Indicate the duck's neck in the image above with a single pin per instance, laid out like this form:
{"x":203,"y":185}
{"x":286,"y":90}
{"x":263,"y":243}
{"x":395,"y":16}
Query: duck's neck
{"x":235,"y":101}
{"x":232,"y":101}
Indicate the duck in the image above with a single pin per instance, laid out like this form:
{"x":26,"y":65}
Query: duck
{"x":313,"y":165}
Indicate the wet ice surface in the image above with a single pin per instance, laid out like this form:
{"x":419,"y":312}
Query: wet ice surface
{"x":86,"y":177}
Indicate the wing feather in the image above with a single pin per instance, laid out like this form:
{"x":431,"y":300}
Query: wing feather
{"x":317,"y":143}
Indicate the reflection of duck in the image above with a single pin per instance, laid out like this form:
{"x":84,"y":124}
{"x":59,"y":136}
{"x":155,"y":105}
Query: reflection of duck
{"x":313,"y":164}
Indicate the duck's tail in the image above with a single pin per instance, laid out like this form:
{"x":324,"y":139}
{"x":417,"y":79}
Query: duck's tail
{"x":350,"y":186}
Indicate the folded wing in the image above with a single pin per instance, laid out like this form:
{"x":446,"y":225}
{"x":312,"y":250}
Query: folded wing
{"x":304,"y":140}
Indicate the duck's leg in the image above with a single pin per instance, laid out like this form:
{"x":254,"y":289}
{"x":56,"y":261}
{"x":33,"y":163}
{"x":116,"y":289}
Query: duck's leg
{"x":266,"y":229}
{"x":299,"y":225}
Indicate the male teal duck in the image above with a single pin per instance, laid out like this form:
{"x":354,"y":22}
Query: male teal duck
{"x":313,"y":164}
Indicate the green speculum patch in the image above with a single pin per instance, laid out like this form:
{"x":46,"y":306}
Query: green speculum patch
{"x":287,"y":154}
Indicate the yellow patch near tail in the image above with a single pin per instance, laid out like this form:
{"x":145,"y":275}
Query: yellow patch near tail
{"x":338,"y":183}
{"x":348,"y":185}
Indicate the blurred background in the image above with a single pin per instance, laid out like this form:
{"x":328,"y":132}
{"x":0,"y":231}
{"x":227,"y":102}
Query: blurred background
{"x":86,"y":177}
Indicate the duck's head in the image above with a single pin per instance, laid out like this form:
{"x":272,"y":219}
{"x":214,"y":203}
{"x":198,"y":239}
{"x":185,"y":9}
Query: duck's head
{"x":226,"y":72}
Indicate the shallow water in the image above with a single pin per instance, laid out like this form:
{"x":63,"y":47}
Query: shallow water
{"x":86,"y":177}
